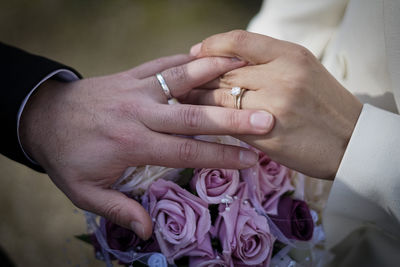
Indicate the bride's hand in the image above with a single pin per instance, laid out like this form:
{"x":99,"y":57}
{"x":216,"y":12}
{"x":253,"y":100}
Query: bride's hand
{"x":314,"y":115}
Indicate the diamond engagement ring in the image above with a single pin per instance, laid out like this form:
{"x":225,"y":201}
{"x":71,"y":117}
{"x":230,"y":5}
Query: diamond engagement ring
{"x":237,"y":93}
{"x":164,"y":86}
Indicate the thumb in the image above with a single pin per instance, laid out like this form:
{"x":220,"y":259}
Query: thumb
{"x":120,"y":209}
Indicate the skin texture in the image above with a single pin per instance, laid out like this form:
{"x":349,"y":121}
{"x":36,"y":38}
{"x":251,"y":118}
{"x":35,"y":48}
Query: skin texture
{"x":86,"y":133}
{"x":314,"y":115}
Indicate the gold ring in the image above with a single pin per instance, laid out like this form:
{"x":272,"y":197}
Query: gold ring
{"x":237,"y":93}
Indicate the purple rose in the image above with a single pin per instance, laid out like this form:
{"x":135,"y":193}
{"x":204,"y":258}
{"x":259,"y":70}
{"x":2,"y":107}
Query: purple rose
{"x":294,"y":219}
{"x":120,"y":238}
{"x":273,"y":176}
{"x":212,"y":185}
{"x":244,"y":234}
{"x":182,"y":221}
{"x":269,"y":180}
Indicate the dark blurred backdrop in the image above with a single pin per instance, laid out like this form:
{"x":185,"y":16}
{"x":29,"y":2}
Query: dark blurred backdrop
{"x":96,"y":37}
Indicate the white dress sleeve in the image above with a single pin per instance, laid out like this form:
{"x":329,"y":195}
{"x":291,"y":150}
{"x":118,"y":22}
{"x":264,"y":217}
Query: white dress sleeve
{"x":366,"y":190}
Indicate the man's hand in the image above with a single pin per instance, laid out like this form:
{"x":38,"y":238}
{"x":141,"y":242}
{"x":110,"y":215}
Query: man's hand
{"x":315,"y":115}
{"x":86,"y":133}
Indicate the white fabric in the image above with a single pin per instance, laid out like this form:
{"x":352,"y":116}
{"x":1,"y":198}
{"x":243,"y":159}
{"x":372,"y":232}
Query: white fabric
{"x":366,"y":189}
{"x":64,"y":75}
{"x":310,"y":23}
{"x":358,"y":41}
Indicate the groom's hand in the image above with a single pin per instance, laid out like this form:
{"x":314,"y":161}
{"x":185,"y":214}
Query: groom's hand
{"x":86,"y":133}
{"x":315,"y":115}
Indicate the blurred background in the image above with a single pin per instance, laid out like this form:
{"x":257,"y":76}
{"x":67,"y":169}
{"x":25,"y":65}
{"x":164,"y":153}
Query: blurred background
{"x":96,"y":37}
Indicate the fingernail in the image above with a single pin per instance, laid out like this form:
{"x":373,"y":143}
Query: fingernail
{"x":248,"y":158}
{"x":138,"y":229}
{"x":195,"y":50}
{"x":261,"y":120}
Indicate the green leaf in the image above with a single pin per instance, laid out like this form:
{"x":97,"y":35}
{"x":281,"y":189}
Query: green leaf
{"x":85,"y":238}
{"x":185,"y":176}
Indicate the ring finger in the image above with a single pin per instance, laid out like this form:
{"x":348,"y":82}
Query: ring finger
{"x":183,"y":78}
{"x":221,"y":97}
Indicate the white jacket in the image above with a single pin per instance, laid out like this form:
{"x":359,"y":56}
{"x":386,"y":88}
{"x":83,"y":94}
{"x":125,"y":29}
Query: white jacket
{"x":358,"y":41}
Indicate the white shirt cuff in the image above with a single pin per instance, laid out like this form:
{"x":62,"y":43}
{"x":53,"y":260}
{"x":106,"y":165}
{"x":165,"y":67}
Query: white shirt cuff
{"x":62,"y":74}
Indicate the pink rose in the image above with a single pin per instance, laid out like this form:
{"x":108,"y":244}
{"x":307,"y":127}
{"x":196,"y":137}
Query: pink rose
{"x":212,"y":185}
{"x":244,"y":234}
{"x":269,"y":180}
{"x":182,"y":221}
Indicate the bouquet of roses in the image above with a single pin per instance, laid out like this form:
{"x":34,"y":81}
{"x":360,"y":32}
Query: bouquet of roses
{"x":212,"y":217}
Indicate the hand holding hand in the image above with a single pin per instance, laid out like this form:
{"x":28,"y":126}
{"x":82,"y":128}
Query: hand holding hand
{"x":314,"y":115}
{"x":86,"y":133}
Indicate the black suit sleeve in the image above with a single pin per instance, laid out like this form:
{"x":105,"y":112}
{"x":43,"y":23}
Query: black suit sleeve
{"x":20,"y":72}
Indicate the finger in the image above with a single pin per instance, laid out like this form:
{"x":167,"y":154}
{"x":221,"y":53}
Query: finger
{"x":183,"y":78}
{"x":152,"y":67}
{"x":247,"y":46}
{"x":222,"y":97}
{"x":214,"y":84}
{"x":179,"y":152}
{"x":249,"y":77}
{"x":192,"y":120}
{"x":118,"y":208}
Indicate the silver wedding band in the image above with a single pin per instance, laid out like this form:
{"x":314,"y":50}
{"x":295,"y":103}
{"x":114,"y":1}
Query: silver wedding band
{"x":164,"y":86}
{"x":237,"y":93}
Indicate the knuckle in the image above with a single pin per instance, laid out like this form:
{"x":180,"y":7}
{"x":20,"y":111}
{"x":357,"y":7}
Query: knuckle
{"x":238,"y":37}
{"x":302,"y":55}
{"x":225,"y":99}
{"x":160,"y":61}
{"x":192,"y":117}
{"x":235,"y":121}
{"x":217,"y":63}
{"x":123,"y":139}
{"x":298,"y":85}
{"x":284,"y":108}
{"x":189,"y":151}
{"x":222,"y":153}
{"x":112,"y":211}
{"x":230,"y":78}
{"x":178,"y":74}
{"x":125,"y":109}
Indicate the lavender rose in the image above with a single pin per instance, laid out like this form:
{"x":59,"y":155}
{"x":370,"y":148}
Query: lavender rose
{"x":212,"y":185}
{"x":244,"y":234}
{"x":182,"y":221}
{"x":273,"y":176}
{"x":269,"y":180}
{"x":294,"y":219}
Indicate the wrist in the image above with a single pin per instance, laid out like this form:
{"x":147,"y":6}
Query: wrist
{"x":36,"y":117}
{"x":349,"y":119}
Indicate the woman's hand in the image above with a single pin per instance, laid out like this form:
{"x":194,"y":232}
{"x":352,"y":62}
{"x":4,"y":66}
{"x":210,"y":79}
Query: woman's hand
{"x":86,"y":133}
{"x":314,"y":115}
